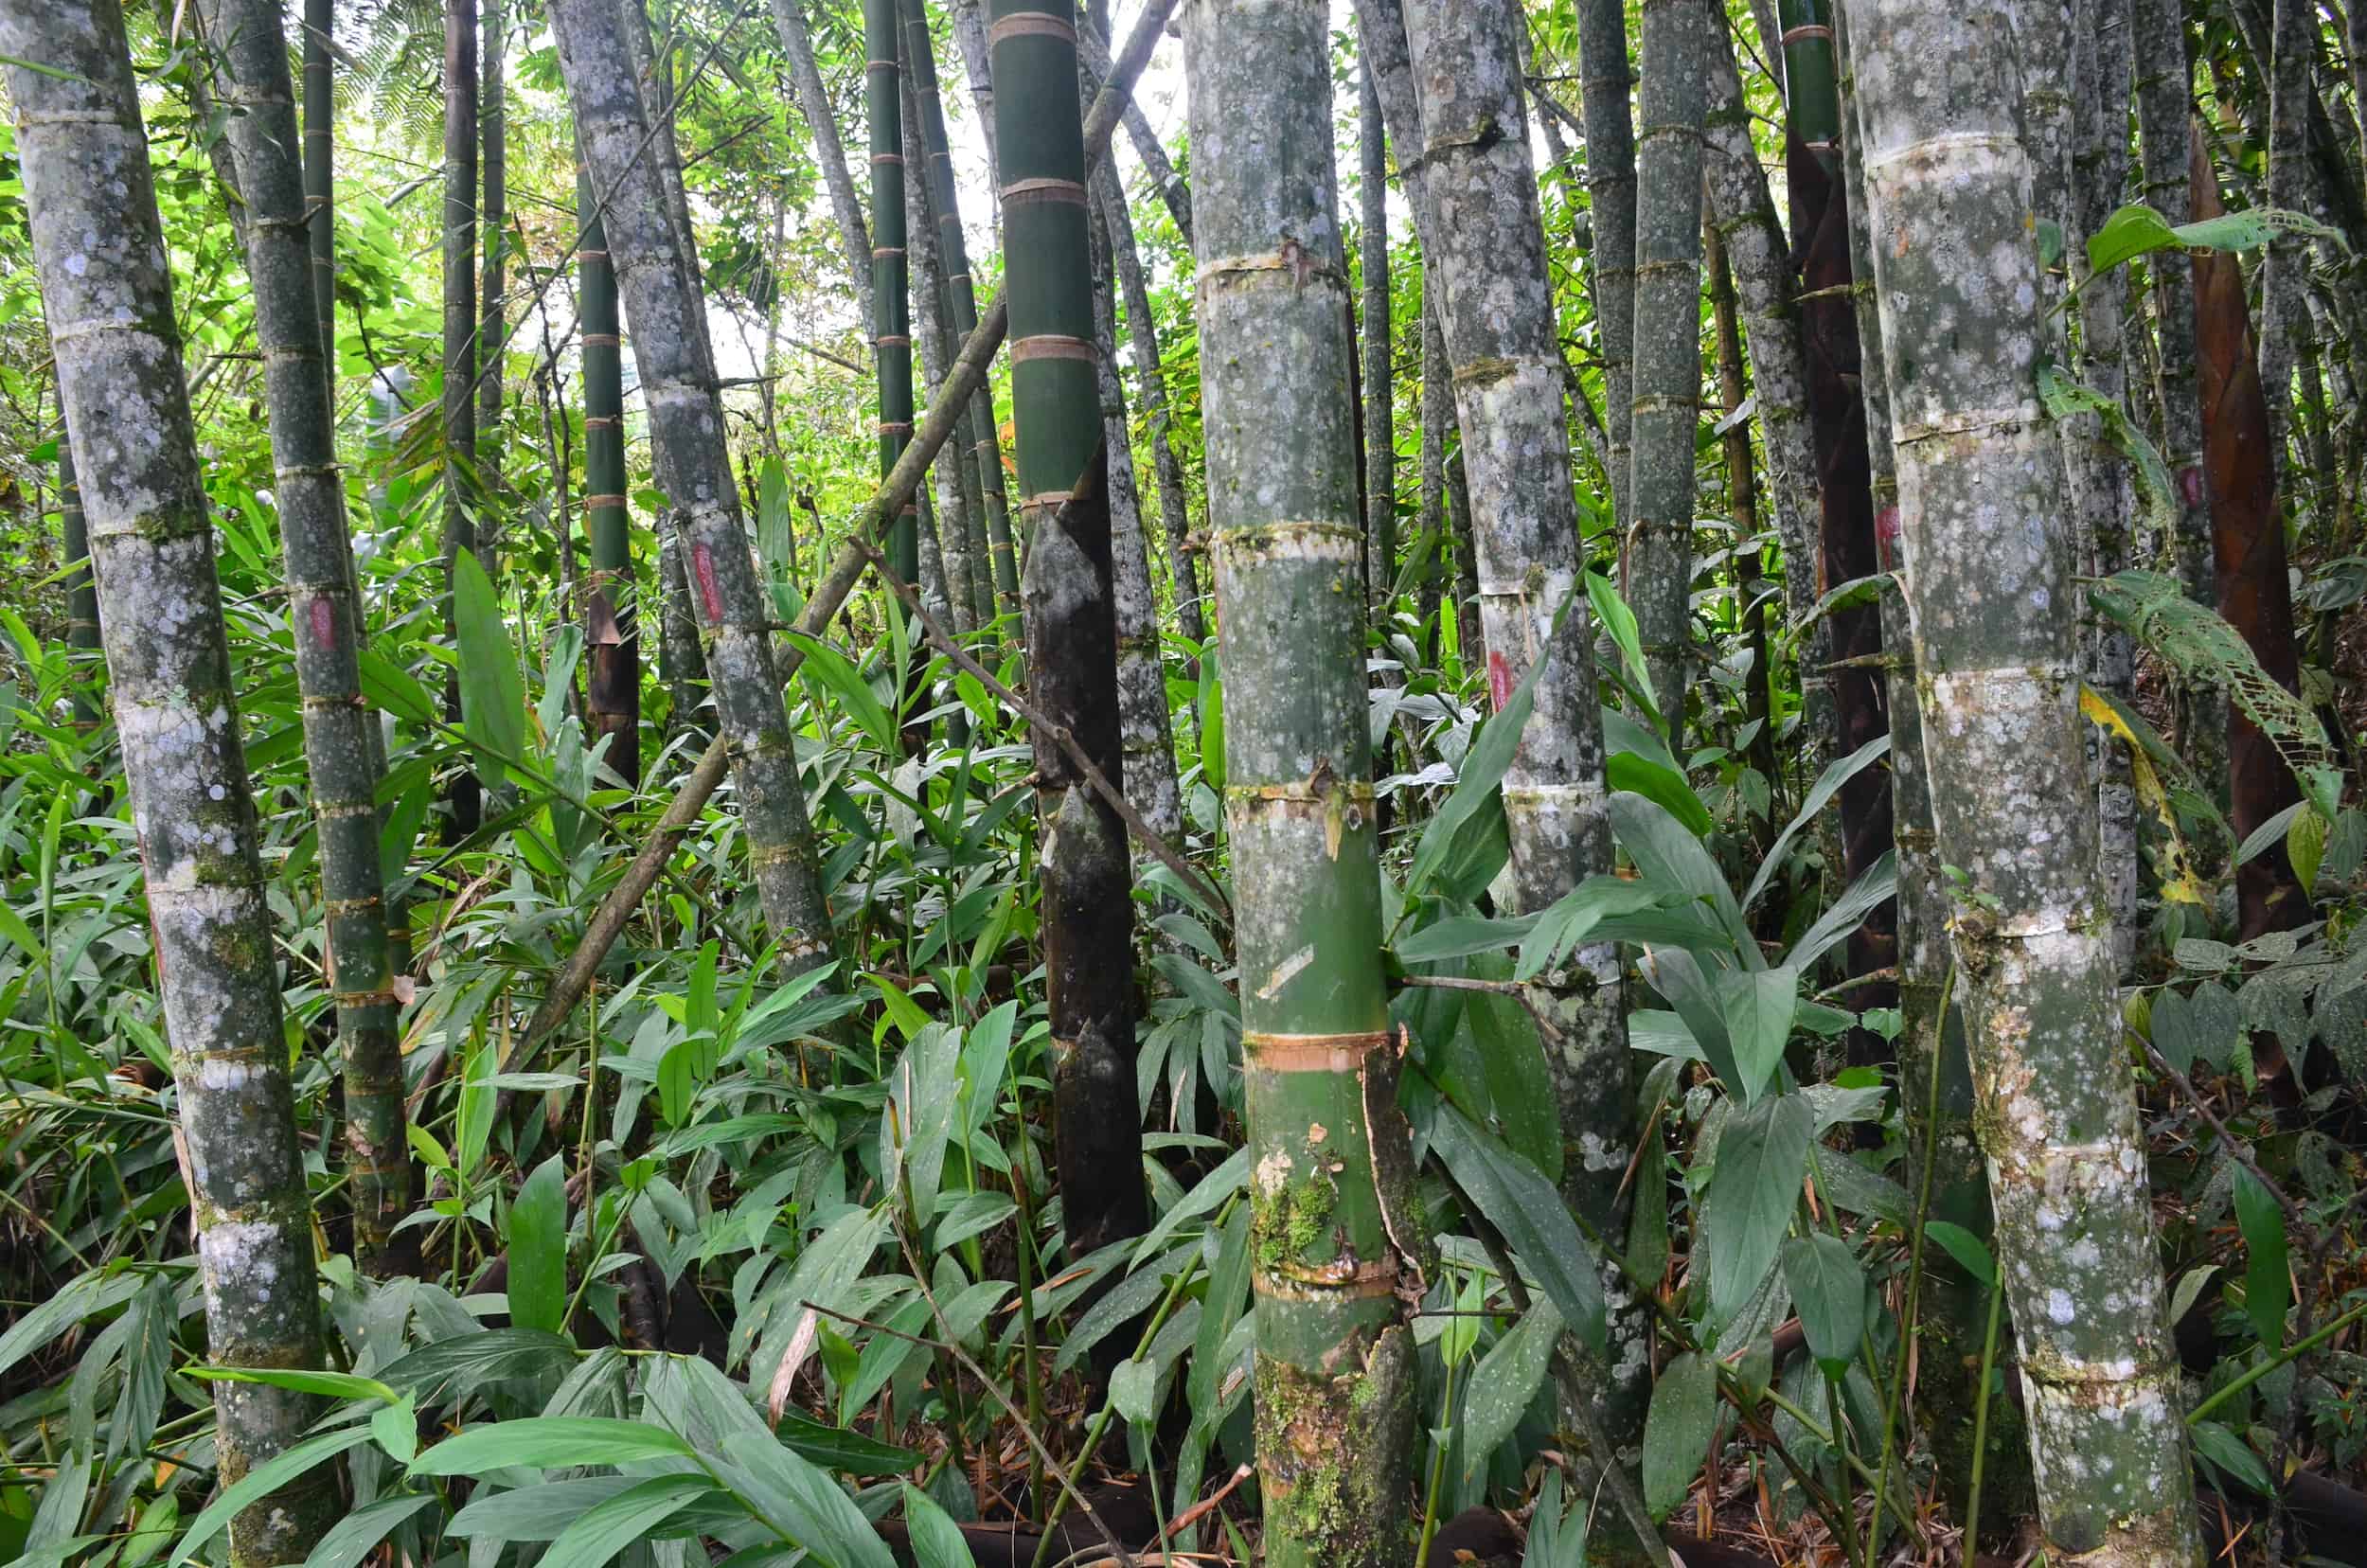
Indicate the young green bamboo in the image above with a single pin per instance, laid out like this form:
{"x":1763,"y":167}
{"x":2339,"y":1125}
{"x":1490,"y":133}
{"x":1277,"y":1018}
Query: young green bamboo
{"x":929,"y":310}
{"x":611,"y":609}
{"x":320,"y":200}
{"x":1067,"y":598}
{"x":2165,"y":83}
{"x":492,"y":219}
{"x":686,"y":438}
{"x":251,"y":78}
{"x":1611,"y":197}
{"x":99,"y":255}
{"x":1990,"y":587}
{"x":891,"y":306}
{"x":1332,"y":1220}
{"x":1381,"y":448}
{"x":462,"y":793}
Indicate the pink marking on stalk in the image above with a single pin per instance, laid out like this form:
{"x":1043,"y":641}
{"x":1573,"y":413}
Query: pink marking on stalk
{"x":1887,"y":529}
{"x":324,"y":623}
{"x":1499,"y":680}
{"x":704,"y":562}
{"x":2190,"y":483}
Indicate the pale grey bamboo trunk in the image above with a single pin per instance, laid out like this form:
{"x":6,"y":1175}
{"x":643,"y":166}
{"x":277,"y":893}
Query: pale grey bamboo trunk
{"x":1380,"y":449}
{"x":1174,"y":193}
{"x":107,"y":297}
{"x":936,"y":356}
{"x":1487,"y":254}
{"x":1996,"y":617}
{"x":251,"y":78}
{"x":2288,"y":337}
{"x":829,"y":153}
{"x":685,"y":416}
{"x":1657,"y":539}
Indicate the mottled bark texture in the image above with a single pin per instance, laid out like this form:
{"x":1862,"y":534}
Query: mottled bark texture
{"x":1488,"y":252}
{"x":611,"y":604}
{"x":979,"y":430}
{"x":686,"y":438}
{"x":969,"y":36}
{"x":1742,"y":505}
{"x":830,"y":154}
{"x":1432,"y":547}
{"x":1143,"y":718}
{"x":1952,"y":1318}
{"x":2163,"y":108}
{"x":1850,"y":637}
{"x":1996,"y":618}
{"x":1142,"y":334}
{"x":1380,"y":425}
{"x":1680,"y":37}
{"x":1611,"y":197}
{"x":1072,"y":636}
{"x":320,"y":198}
{"x":107,"y":295}
{"x":2255,"y":593}
{"x":891,"y":313}
{"x":1332,"y":1244}
{"x":2103,"y":491}
{"x":2287,"y":336}
{"x":251,"y":79}
{"x":462,"y":794}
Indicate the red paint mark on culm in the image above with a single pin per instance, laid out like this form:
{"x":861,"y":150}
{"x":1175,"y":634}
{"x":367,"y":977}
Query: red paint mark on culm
{"x":324,"y":623}
{"x":704,"y":562}
{"x":2190,"y":483}
{"x":1499,"y":680}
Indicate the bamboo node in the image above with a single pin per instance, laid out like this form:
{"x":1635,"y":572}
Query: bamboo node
{"x":1052,"y":345}
{"x":1031,"y":25}
{"x":1299,"y":1053}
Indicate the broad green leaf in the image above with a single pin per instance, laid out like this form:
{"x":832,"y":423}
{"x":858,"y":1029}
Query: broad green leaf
{"x":262,"y":1481}
{"x":329,"y":1385}
{"x":830,"y":674}
{"x":1475,"y":789}
{"x":397,"y":1429}
{"x":1669,"y":856}
{"x":1613,"y":616}
{"x":537,"y":1512}
{"x":552,"y":1442}
{"x":1875,"y":887}
{"x":538,"y":1249}
{"x":1762,"y":1156}
{"x":1678,"y":1430}
{"x":2268,"y":1288}
{"x":1506,"y":1378}
{"x":1516,"y":1199}
{"x":936,"y":1541}
{"x":1758,"y":1006}
{"x":1967,"y":1250}
{"x":609,"y":1525}
{"x":1828,"y":1292}
{"x":804,"y":1503}
{"x":1461,"y":936}
{"x":87,"y":1296}
{"x":492,"y":694}
{"x":836,"y":1448}
{"x":1134,"y":1390}
{"x":1664,"y":786}
{"x":2127,"y":235}
{"x":1828,"y":783}
{"x":2224,"y":1450}
{"x":355,"y":1536}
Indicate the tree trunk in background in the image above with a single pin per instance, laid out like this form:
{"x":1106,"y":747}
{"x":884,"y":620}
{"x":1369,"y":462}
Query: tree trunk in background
{"x":2287,"y":336}
{"x":493,"y":327}
{"x":1952,"y":1316}
{"x":1435,"y":545}
{"x":1381,"y":445}
{"x":2163,"y":107}
{"x":1996,"y":623}
{"x":320,"y":191}
{"x":1487,"y":254}
{"x":1150,"y":375}
{"x":1072,"y":636}
{"x":1335,"y":1364}
{"x":1742,"y":504}
{"x":100,"y":254}
{"x":2100,"y":173}
{"x":82,"y":589}
{"x":656,"y":76}
{"x":983,"y":438}
{"x":251,"y":78}
{"x":611,"y":615}
{"x":1148,"y":741}
{"x":1765,"y":284}
{"x":462,"y":792}
{"x":830,"y":154}
{"x":891,"y":316}
{"x":1657,"y":538}
{"x":2255,"y":594}
{"x":1852,"y":636}
{"x":969,"y":36}
{"x":936,"y":351}
{"x":686,"y":435}
{"x":1174,"y":193}
{"x":1611,"y":197}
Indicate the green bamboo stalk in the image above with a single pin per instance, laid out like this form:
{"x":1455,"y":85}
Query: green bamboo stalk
{"x":983,"y":437}
{"x":1996,"y":616}
{"x":891,"y":316}
{"x":251,"y":79}
{"x":1681,"y":39}
{"x":99,"y":257}
{"x":463,"y":795}
{"x":320,"y":197}
{"x":1381,"y":448}
{"x":1067,"y":599}
{"x":1333,"y":1232}
{"x":931,"y":308}
{"x":2165,"y":89}
{"x":686,"y":437}
{"x":493,"y":218}
{"x":1487,"y":254}
{"x":611,"y":610}
{"x":1611,"y":176}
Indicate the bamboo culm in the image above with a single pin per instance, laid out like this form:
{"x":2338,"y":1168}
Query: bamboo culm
{"x":686,"y":438}
{"x":107,"y":294}
{"x":1990,"y":589}
{"x":1332,"y":1245}
{"x":251,"y":78}
{"x":611,"y":604}
{"x":463,"y":795}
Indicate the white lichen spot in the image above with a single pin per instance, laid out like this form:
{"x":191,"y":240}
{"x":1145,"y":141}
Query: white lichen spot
{"x":2059,"y":1307}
